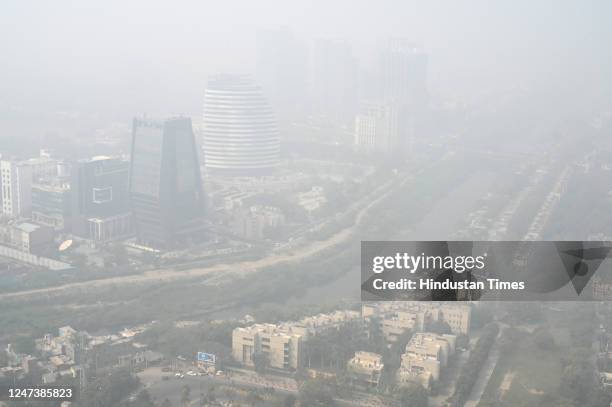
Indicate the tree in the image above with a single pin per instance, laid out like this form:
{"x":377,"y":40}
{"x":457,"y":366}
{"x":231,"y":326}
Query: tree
{"x":288,"y":401}
{"x":543,"y":339}
{"x":469,"y":372}
{"x":260,"y":360}
{"x":463,"y":341}
{"x":253,"y":397}
{"x":316,"y":392}
{"x":210,"y":394}
{"x":166,"y":403}
{"x":185,"y":395}
{"x":230,"y":393}
{"x":119,"y":254}
{"x":412,"y":395}
{"x":79,"y":260}
{"x":143,"y":400}
{"x":481,"y":316}
{"x":439,"y":327}
{"x":109,"y":389}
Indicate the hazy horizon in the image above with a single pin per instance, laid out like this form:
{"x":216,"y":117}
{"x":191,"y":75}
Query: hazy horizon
{"x":66,"y":63}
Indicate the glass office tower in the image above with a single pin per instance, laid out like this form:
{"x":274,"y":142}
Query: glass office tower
{"x":165,"y":183}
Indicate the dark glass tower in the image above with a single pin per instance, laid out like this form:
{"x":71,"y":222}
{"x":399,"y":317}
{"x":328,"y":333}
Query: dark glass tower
{"x":165,"y":183}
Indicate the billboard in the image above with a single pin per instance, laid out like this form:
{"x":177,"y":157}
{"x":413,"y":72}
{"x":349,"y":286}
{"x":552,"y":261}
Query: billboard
{"x":204,"y":357}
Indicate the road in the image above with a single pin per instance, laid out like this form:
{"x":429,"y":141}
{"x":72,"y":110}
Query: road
{"x":240,"y":268}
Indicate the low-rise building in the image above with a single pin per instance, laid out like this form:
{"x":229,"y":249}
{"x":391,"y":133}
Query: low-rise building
{"x":30,"y":237}
{"x":278,"y":344}
{"x":312,"y":200}
{"x":425,"y":356}
{"x":281,"y":344}
{"x":395,"y":318}
{"x":257,"y":220}
{"x":365,"y":368}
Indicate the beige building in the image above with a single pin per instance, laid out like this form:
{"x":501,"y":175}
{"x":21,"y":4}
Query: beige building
{"x":397,"y":323}
{"x":279,"y":344}
{"x":365,"y":368}
{"x":418,"y":369}
{"x":317,"y":324}
{"x":397,"y":317}
{"x":425,"y":356}
{"x":457,"y":316}
{"x":31,"y":238}
{"x":257,"y":220}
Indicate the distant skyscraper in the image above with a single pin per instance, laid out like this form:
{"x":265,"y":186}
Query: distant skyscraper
{"x":16,"y":182}
{"x":335,"y":78}
{"x":100,"y":202}
{"x":404,"y":71}
{"x":376,"y":127}
{"x":240,"y":133}
{"x":282,"y":67}
{"x":404,"y":82}
{"x":165,"y":183}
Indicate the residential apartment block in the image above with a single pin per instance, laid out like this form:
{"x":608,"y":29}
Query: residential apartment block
{"x":425,"y":356}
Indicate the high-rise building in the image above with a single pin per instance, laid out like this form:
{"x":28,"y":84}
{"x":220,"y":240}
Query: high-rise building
{"x":16,"y":182}
{"x":239,"y":135}
{"x":100,"y":202}
{"x":404,"y":74}
{"x":376,"y":128}
{"x":404,"y":84}
{"x":282,"y":71}
{"x":335,"y":79}
{"x":51,"y":205}
{"x":165,"y":183}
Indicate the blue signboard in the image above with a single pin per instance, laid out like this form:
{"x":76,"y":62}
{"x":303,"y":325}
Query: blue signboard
{"x":206,"y":357}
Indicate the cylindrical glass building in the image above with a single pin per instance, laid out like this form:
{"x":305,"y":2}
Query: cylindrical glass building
{"x":240,"y":132}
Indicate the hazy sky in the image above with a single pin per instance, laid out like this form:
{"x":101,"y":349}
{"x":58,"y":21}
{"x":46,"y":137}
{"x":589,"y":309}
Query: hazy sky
{"x":118,"y":58}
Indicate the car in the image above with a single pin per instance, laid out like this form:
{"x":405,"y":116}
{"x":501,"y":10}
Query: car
{"x":177,"y":374}
{"x":219,"y":373}
{"x":191,"y":373}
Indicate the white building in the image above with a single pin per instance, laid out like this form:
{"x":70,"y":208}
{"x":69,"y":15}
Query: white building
{"x":240,"y":133}
{"x":376,"y":128}
{"x":16,"y":181}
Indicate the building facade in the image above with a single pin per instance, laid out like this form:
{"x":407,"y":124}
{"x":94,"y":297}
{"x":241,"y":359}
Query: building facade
{"x":404,"y":85}
{"x":31,"y":238}
{"x":394,"y":319}
{"x":165,"y":184}
{"x":425,"y":356}
{"x":279,"y":345}
{"x":99,"y":195}
{"x":365,"y":368}
{"x":376,"y":128}
{"x":240,"y":135}
{"x":51,"y":205}
{"x":16,"y":182}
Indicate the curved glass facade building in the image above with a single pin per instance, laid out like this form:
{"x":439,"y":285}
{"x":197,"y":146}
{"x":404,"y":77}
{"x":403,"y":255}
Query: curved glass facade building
{"x":240,"y":136}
